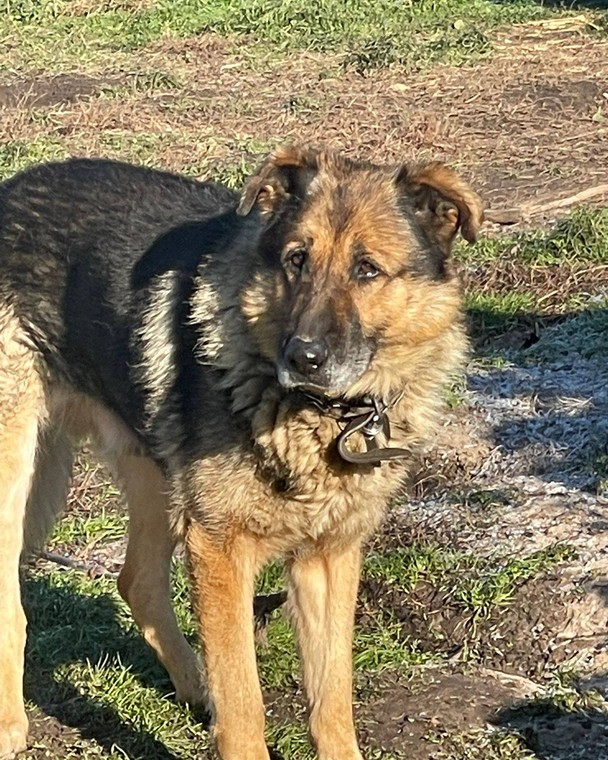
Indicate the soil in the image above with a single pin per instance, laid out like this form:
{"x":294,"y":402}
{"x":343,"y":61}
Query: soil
{"x":51,"y":739}
{"x":49,"y":91}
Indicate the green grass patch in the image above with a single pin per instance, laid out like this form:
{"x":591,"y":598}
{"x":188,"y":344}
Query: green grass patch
{"x":278,"y":662}
{"x":16,"y":155}
{"x":384,"y":647}
{"x":290,"y":740}
{"x":88,"y":662}
{"x":495,"y":586}
{"x":84,"y":530}
{"x":492,"y":314}
{"x":144,"y":148}
{"x":582,"y":237}
{"x":369,"y":33}
{"x":477,"y":584}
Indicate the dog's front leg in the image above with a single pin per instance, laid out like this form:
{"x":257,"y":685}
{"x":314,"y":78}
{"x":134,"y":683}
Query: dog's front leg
{"x":323,"y":592}
{"x":223,"y":575}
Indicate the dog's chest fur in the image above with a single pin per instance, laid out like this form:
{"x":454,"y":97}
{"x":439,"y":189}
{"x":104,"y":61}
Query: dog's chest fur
{"x":287,"y":486}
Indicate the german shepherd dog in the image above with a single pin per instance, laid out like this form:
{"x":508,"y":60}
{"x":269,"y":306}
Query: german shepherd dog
{"x":258,"y":368}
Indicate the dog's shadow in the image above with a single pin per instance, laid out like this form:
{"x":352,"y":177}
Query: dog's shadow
{"x":557,"y":732}
{"x":67,"y":627}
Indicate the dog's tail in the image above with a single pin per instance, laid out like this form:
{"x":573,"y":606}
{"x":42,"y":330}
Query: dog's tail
{"x":50,"y":485}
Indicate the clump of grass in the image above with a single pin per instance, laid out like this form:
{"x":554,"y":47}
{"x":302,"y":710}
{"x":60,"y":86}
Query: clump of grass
{"x":83,"y":530}
{"x":480,"y":745}
{"x":278,"y":661}
{"x":407,"y":566}
{"x":492,"y":314}
{"x":582,"y":237}
{"x":290,"y":739}
{"x":384,"y":647}
{"x":495,"y":585}
{"x":16,"y":155}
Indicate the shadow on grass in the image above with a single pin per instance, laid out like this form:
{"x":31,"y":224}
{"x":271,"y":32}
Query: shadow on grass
{"x":64,"y":627}
{"x":544,"y":391}
{"x":554,"y":732}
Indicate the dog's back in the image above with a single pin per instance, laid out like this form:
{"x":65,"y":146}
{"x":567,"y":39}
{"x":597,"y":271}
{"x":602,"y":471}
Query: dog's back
{"x":79,"y":266}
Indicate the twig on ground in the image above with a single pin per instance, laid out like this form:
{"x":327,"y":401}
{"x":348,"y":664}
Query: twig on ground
{"x":515,"y":215}
{"x":531,"y":688}
{"x":90,"y":569}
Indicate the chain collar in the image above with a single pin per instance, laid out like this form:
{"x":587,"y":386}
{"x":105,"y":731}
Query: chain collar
{"x":366,"y":415}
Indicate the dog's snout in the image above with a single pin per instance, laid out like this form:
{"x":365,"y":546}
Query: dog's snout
{"x":305,"y":356}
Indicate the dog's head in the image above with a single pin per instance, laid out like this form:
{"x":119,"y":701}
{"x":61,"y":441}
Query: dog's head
{"x":356,"y":266}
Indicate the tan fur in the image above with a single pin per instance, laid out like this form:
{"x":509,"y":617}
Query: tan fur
{"x":50,"y":485}
{"x":223,"y":575}
{"x":145,"y":585}
{"x":322,"y":597}
{"x":21,"y":412}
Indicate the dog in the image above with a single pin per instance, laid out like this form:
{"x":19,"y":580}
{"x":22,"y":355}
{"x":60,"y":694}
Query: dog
{"x":259,"y":369}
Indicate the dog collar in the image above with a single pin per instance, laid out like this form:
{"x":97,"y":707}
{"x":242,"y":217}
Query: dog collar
{"x":366,"y":415}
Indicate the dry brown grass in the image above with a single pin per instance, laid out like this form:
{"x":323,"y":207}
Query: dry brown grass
{"x":528,"y":124}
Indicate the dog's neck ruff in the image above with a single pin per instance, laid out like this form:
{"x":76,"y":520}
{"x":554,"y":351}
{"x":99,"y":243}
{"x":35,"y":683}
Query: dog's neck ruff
{"x":366,"y":415}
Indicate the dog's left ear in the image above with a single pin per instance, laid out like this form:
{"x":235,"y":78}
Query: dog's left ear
{"x":286,"y":174}
{"x":443,"y":202}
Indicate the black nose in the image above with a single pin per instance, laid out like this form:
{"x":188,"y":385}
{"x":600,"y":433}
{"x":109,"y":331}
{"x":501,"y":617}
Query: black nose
{"x":305,"y":356}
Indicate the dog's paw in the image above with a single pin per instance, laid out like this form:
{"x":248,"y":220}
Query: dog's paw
{"x":189,"y":684}
{"x":192,"y":692}
{"x":13,"y":736}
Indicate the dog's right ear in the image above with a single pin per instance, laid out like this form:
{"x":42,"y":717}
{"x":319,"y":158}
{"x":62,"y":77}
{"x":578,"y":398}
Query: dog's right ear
{"x":285,"y":174}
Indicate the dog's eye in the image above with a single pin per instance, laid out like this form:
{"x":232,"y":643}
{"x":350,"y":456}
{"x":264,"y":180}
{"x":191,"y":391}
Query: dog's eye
{"x":366,"y":270}
{"x":296,"y":258}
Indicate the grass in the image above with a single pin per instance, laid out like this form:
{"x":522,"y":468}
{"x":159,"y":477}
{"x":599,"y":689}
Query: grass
{"x":584,"y":334}
{"x":88,"y":657}
{"x":143,"y":148}
{"x":16,"y":155}
{"x":84,"y":530}
{"x":479,"y":584}
{"x":520,"y":282}
{"x":481,"y":745}
{"x":87,"y":662}
{"x":368,"y":33}
{"x":579,"y":238}
{"x":492,"y":314}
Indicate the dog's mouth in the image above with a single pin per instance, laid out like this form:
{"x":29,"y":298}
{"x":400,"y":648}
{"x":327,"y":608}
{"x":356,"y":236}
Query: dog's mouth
{"x":334,"y":386}
{"x":292,"y":381}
